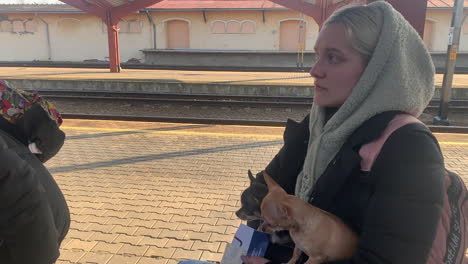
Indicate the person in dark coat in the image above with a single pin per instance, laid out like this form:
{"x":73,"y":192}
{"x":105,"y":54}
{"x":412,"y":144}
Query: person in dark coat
{"x":370,"y":64}
{"x":34,"y":216}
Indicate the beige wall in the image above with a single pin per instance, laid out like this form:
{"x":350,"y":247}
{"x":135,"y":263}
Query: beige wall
{"x":441,"y":20}
{"x":73,"y":37}
{"x":28,"y":46}
{"x":78,"y":37}
{"x":201,"y":37}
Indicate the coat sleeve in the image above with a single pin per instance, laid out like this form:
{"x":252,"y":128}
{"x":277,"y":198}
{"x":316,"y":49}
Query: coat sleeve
{"x":402,"y":216}
{"x":26,"y":222}
{"x":287,"y":164}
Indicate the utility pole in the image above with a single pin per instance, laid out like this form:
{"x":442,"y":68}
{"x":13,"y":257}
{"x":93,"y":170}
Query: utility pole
{"x":453,"y":42}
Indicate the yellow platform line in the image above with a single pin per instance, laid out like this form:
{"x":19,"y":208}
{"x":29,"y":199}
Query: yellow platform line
{"x":453,"y":143}
{"x":193,"y":133}
{"x":188,"y":133}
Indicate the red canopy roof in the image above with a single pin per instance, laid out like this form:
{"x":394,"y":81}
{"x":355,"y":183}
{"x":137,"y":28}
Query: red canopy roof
{"x":215,"y":4}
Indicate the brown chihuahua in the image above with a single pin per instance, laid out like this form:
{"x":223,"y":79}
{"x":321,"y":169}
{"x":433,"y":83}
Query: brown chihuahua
{"x":320,"y":235}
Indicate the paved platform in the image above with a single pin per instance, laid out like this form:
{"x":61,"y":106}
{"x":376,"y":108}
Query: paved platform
{"x":158,"y":192}
{"x":180,"y":82}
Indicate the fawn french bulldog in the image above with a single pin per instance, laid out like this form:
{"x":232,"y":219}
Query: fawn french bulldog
{"x":320,"y":235}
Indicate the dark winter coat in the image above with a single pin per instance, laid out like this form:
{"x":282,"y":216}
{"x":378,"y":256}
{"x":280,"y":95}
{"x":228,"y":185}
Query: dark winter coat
{"x":395,"y":208}
{"x":34,"y":216}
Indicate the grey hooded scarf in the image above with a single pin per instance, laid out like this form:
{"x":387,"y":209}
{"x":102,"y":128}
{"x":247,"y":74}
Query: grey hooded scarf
{"x":399,"y":76}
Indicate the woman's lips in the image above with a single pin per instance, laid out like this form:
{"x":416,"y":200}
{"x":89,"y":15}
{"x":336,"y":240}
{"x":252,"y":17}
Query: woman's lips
{"x":319,"y":88}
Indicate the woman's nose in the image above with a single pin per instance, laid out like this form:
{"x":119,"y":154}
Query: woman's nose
{"x":316,"y":71}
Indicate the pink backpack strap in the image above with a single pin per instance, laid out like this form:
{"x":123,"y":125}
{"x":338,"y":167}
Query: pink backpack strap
{"x":370,"y":151}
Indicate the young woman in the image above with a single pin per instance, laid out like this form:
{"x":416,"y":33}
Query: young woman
{"x":371,"y":64}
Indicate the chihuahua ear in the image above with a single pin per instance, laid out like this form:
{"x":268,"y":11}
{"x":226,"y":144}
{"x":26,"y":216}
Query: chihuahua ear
{"x":270,"y":182}
{"x":251,"y":177}
{"x":285,"y":210}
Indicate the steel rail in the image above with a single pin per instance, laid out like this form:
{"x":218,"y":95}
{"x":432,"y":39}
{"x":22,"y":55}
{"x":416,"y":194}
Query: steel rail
{"x":215,"y":121}
{"x":215,"y":99}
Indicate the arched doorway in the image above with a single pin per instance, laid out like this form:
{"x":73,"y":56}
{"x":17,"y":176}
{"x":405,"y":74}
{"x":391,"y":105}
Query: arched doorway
{"x":292,"y":35}
{"x":428,"y":34}
{"x":178,"y":34}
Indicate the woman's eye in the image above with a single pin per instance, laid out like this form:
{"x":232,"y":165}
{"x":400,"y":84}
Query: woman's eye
{"x":332,"y":58}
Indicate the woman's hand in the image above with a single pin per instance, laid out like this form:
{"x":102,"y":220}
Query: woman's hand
{"x":254,"y":260}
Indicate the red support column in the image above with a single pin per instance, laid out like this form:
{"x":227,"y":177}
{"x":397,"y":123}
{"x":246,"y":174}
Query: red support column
{"x":113,"y":41}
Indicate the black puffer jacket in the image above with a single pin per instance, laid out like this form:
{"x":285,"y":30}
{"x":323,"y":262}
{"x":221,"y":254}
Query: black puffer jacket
{"x":34,"y":216}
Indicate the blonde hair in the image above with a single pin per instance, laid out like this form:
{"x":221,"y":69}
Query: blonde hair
{"x":362,"y":24}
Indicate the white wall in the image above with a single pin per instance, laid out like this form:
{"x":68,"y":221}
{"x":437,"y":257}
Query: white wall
{"x":78,"y":37}
{"x":266,"y":36}
{"x":442,"y":19}
{"x":25,"y":46}
{"x":73,"y":37}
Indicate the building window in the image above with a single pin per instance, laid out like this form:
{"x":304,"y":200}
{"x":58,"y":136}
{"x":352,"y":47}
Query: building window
{"x":233,"y":27}
{"x":428,"y":34}
{"x":6,"y":26}
{"x":31,"y":26}
{"x":248,"y":27}
{"x":218,"y":27}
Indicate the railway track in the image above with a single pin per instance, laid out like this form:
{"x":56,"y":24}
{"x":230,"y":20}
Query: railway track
{"x":459,"y":105}
{"x":237,"y":101}
{"x":214,"y":121}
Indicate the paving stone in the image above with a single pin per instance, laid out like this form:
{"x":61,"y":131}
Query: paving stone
{"x":210,"y":246}
{"x":220,"y":238}
{"x":219,"y":214}
{"x":126,"y":239}
{"x":70,"y":255}
{"x":190,"y":227}
{"x":120,"y":259}
{"x":97,"y":236}
{"x":76,"y":244}
{"x":142,"y":223}
{"x":198,"y":212}
{"x":229,"y":222}
{"x":151,"y":232}
{"x":177,"y":243}
{"x":126,"y":230}
{"x":210,"y":256}
{"x":205,"y":220}
{"x":95,"y":258}
{"x":118,"y":221}
{"x":160,"y":217}
{"x":100,"y":228}
{"x":132,"y":250}
{"x":155,"y":252}
{"x":187,"y":254}
{"x":107,"y":247}
{"x":78,"y":234}
{"x":214,"y":228}
{"x":166,"y":225}
{"x":176,"y":234}
{"x":183,"y":219}
{"x":197,"y":236}
{"x":146,"y":260}
{"x":151,"y":241}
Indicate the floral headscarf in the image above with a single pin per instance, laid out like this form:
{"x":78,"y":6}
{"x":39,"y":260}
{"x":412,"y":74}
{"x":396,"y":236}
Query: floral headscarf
{"x":15,"y":102}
